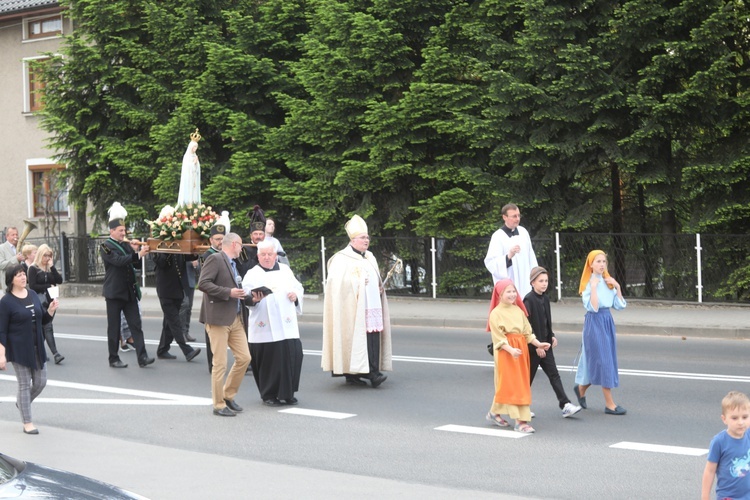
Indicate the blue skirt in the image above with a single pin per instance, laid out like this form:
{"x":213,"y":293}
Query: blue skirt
{"x":598,"y":362}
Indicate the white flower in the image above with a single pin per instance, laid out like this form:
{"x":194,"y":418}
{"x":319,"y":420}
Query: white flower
{"x":167,"y":211}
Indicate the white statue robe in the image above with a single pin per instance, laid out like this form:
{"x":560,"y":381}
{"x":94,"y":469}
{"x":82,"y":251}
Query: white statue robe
{"x":523,"y":262}
{"x":275,"y":317}
{"x":190,"y":178}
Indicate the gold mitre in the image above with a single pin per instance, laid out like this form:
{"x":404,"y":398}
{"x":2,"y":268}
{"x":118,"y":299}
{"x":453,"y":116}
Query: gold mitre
{"x":195,"y":136}
{"x":356,"y":227}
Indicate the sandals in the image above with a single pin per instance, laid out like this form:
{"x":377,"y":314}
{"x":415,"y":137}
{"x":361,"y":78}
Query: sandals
{"x":497,"y":420}
{"x":524,"y":428}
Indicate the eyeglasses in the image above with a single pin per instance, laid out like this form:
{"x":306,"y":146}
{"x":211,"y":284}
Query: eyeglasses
{"x":48,"y":255}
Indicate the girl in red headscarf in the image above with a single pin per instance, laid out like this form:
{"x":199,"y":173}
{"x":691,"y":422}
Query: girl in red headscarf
{"x":511,"y":332}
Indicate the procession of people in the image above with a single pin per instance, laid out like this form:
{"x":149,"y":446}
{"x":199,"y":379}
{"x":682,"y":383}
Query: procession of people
{"x":251,"y":300}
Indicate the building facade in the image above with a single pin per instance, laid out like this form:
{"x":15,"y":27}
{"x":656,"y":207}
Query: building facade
{"x":30,"y":29}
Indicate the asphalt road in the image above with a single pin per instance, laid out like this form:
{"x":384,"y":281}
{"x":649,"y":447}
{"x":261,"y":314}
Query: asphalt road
{"x":442,"y":377}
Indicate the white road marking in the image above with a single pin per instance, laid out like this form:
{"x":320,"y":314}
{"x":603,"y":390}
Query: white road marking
{"x":318,"y":413}
{"x":153,"y":398}
{"x":713,"y":377}
{"x":482,"y":431}
{"x":660,"y":448}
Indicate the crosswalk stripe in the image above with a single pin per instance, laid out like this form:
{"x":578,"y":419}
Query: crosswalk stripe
{"x":482,"y":431}
{"x":660,"y":448}
{"x":318,"y":413}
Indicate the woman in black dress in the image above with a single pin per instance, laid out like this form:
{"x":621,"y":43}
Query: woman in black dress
{"x":42,"y":275}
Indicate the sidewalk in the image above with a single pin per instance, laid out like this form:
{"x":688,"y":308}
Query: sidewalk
{"x":640,"y":317}
{"x":130,"y":464}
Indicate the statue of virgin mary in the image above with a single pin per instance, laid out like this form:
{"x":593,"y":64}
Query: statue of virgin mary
{"x":190,"y":179}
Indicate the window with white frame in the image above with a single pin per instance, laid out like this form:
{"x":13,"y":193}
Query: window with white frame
{"x":35,"y":28}
{"x":48,"y":193}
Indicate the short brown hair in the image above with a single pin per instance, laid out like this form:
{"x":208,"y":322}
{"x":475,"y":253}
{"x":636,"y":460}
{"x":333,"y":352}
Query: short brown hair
{"x":733,"y":400}
{"x":509,"y":206}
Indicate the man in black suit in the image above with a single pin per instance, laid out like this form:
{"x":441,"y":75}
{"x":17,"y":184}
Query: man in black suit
{"x":186,"y":309}
{"x":171,"y":280}
{"x":121,"y":292}
{"x":222,"y":313}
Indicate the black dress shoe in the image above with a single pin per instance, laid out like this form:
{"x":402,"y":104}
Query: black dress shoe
{"x":32,"y":431}
{"x":378,"y":379}
{"x":145,"y":361}
{"x":272,"y":402}
{"x":118,"y":364}
{"x":166,"y":355}
{"x":233,"y":406}
{"x":224,"y":412}
{"x":188,"y":338}
{"x":352,"y":380}
{"x":291,"y":401}
{"x":192,"y":354}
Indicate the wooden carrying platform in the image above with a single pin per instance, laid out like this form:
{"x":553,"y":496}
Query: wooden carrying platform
{"x":191,"y":243}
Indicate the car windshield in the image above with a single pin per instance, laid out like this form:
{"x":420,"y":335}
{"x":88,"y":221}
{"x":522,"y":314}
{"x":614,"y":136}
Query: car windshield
{"x":7,"y":471}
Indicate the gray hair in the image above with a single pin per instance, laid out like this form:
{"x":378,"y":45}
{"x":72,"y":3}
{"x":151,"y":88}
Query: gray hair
{"x":266,"y":244}
{"x":230,"y":238}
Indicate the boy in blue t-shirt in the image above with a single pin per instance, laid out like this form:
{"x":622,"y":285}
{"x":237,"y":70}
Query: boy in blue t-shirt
{"x":729,"y":452}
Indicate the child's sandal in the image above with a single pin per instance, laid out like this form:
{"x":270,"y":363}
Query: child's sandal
{"x":524,"y":428}
{"x":497,"y":420}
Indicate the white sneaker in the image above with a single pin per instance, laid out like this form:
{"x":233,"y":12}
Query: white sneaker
{"x":570,"y":409}
{"x":533,"y":414}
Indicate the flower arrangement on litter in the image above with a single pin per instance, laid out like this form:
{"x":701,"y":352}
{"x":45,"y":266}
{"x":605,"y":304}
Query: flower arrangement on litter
{"x":173,"y":222}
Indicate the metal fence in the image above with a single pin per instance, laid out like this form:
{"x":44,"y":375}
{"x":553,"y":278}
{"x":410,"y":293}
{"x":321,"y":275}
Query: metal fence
{"x":685,"y":267}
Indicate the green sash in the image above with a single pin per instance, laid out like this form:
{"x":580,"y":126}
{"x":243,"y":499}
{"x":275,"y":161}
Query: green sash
{"x":132,"y":268}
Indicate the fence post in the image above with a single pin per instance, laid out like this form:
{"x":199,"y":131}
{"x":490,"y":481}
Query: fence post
{"x":698,"y":249}
{"x":434,"y":273}
{"x":557,"y":263}
{"x":61,"y":253}
{"x":323,"y":260}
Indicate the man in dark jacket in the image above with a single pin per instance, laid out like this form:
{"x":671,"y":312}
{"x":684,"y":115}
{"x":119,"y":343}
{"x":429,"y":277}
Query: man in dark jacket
{"x":171,"y":280}
{"x":121,"y":292}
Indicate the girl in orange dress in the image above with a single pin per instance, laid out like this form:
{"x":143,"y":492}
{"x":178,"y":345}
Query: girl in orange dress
{"x":511,"y":332}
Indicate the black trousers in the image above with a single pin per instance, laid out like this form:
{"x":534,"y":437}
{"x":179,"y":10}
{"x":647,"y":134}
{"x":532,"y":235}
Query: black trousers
{"x":186,"y":309}
{"x":171,"y":327}
{"x":550,"y":369}
{"x":130,"y":309}
{"x":373,"y":352}
{"x":49,"y":336}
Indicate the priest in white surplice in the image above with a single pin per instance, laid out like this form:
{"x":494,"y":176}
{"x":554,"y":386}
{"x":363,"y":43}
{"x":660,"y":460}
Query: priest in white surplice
{"x":510,"y":254}
{"x":356,"y":324}
{"x":273,"y":333}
